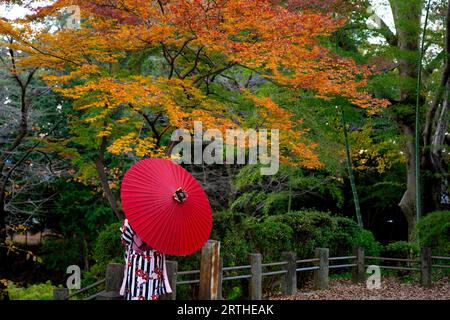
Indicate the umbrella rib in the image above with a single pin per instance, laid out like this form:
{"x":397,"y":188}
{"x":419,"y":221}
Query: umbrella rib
{"x":196,"y":226}
{"x":165,"y":233}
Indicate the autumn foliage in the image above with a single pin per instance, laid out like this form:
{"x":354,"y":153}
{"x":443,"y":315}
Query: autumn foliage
{"x":193,"y":46}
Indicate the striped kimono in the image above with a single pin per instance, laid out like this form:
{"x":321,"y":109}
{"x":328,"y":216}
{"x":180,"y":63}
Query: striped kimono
{"x":145,"y":276}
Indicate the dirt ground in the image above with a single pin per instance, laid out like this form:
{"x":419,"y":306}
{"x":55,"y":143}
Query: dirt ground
{"x":391,"y":289}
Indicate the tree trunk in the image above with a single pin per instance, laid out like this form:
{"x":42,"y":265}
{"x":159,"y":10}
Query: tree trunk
{"x":3,"y":251}
{"x":407,"y":16}
{"x":99,"y":164}
{"x":106,"y":189}
{"x":433,"y":163}
{"x":436,"y":125}
{"x":408,"y":201}
{"x":3,"y":232}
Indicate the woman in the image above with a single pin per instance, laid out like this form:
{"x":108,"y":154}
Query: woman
{"x":145,"y":276}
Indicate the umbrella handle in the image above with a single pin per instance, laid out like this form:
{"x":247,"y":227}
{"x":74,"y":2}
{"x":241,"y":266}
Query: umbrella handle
{"x":180,"y":195}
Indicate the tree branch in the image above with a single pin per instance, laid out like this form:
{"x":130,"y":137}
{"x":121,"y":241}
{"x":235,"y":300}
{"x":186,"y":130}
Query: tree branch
{"x":214,"y":72}
{"x":443,"y":82}
{"x":195,"y":63}
{"x":99,"y":164}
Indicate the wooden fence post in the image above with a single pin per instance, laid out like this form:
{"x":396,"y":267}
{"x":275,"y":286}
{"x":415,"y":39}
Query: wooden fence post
{"x":114,"y":277}
{"x":291,"y":275}
{"x":359,"y":271}
{"x":60,"y":293}
{"x":171,"y":270}
{"x":425,"y":267}
{"x":256,"y":280}
{"x":220,"y":297}
{"x":321,"y":275}
{"x":209,"y":271}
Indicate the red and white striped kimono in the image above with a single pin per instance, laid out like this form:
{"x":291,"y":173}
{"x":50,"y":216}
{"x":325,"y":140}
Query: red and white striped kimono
{"x":145,"y":276}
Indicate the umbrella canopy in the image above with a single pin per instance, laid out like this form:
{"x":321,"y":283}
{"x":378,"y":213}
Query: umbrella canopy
{"x":166,"y":206}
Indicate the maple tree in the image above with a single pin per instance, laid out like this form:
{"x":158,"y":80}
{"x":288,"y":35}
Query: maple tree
{"x":330,"y":6}
{"x":194,"y":47}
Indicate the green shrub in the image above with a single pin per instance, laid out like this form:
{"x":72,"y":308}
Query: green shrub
{"x":59,"y":253}
{"x":234,"y":248}
{"x":433,"y":231}
{"x":275,"y":202}
{"x":108,"y":248}
{"x":313,"y":229}
{"x":402,"y":249}
{"x":235,"y":293}
{"x":268,"y":237}
{"x":310,"y":230}
{"x":40,"y":291}
{"x":228,"y":228}
{"x":365,"y":239}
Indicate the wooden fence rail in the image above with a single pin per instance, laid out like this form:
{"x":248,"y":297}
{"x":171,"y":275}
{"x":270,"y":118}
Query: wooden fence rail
{"x":212,"y":274}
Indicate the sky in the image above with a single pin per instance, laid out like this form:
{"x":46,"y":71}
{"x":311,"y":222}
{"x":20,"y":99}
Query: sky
{"x":13,"y":12}
{"x":383,"y":10}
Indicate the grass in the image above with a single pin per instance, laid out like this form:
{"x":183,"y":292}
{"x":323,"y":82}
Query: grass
{"x":40,"y":291}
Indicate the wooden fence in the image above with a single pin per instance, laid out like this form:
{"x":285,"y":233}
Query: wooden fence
{"x":212,"y":274}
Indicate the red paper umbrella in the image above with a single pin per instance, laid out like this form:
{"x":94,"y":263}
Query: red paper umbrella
{"x":166,"y":206}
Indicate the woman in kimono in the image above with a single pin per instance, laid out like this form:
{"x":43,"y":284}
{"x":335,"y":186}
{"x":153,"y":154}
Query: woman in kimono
{"x":145,"y":276}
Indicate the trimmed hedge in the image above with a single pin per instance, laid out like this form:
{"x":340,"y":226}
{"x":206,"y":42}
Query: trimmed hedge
{"x":433,"y":231}
{"x":300,"y":231}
